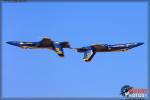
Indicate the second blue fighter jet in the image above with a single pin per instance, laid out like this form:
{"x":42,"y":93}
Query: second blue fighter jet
{"x":90,"y":51}
{"x":44,"y":43}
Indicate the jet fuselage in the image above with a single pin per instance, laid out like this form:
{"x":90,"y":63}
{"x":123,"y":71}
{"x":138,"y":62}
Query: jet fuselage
{"x":91,"y":50}
{"x":44,"y":43}
{"x":30,"y":45}
{"x":111,"y":48}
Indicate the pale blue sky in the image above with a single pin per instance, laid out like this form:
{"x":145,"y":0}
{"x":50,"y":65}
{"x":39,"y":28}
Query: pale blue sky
{"x":41,"y":73}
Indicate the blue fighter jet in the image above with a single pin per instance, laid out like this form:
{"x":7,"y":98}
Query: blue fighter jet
{"x":44,"y":43}
{"x":90,"y":51}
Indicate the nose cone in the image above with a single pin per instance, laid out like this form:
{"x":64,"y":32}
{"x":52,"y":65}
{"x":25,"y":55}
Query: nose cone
{"x":15,"y":43}
{"x":139,"y":43}
{"x":9,"y":43}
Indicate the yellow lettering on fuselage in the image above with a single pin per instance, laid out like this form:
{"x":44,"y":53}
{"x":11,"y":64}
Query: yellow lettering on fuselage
{"x":122,"y":50}
{"x":26,"y":47}
{"x":29,"y":43}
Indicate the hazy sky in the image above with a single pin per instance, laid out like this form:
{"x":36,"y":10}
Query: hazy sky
{"x":41,"y":73}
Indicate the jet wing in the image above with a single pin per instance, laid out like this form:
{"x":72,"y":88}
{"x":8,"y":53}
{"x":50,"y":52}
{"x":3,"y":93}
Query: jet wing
{"x":99,"y":46}
{"x":46,"y":41}
{"x":88,"y":55}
